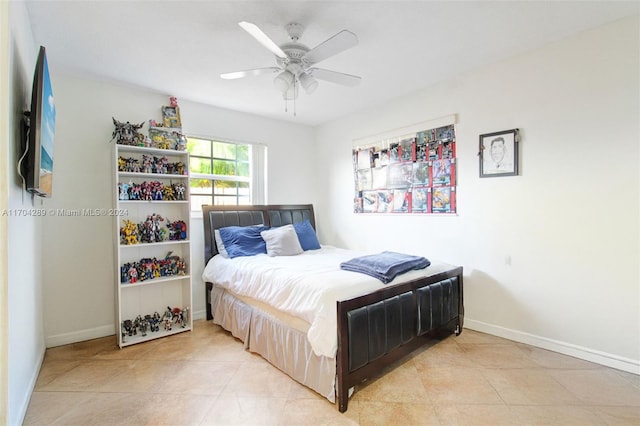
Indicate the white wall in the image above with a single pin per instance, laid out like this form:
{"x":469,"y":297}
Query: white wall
{"x":5,"y":36}
{"x":25,"y":318}
{"x":79,"y":290}
{"x":550,"y":256}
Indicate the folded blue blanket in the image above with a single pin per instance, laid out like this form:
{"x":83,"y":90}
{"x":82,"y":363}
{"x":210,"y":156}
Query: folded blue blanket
{"x":385,"y":266}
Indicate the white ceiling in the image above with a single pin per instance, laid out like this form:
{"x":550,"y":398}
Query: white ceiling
{"x":181,"y":47}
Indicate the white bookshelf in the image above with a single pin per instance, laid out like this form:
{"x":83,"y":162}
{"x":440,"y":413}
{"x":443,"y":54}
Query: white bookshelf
{"x":149,"y":295}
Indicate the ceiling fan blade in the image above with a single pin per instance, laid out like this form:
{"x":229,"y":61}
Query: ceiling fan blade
{"x":334,"y":45}
{"x":262,"y":38}
{"x":247,"y":73}
{"x":335,"y":77}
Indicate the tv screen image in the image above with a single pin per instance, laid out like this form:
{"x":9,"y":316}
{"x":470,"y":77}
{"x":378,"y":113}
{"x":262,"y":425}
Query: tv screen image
{"x":42,"y":122}
{"x":47,"y":127}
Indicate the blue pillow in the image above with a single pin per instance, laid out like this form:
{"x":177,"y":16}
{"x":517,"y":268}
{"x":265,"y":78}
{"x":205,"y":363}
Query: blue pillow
{"x":243,"y":240}
{"x":306,"y":235}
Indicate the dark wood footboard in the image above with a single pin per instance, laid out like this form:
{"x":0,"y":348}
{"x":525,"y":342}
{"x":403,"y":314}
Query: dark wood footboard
{"x":377,"y":329}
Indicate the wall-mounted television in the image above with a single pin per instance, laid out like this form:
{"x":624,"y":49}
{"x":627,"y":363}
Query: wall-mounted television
{"x":37,"y":161}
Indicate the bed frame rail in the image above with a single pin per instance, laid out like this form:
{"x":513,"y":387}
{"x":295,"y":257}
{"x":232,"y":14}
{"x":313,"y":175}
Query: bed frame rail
{"x":377,"y":329}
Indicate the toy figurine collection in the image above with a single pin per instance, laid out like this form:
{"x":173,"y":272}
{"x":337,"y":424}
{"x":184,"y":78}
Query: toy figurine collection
{"x":146,"y":174}
{"x":148,"y":269}
{"x":166,"y":134}
{"x":151,"y":164}
{"x":152,"y":191}
{"x":150,"y":231}
{"x":171,"y":317}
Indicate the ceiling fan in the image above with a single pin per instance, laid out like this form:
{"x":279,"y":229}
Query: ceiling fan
{"x":296,"y":61}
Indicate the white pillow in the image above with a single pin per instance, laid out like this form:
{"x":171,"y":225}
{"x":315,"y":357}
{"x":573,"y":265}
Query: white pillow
{"x":282,"y":241}
{"x":221,"y":250}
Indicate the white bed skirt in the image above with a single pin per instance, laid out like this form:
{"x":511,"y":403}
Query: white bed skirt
{"x":278,"y":338}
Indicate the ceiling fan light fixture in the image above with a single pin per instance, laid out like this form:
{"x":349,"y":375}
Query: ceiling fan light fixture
{"x":283,"y":81}
{"x":309,"y":84}
{"x":291,"y":94}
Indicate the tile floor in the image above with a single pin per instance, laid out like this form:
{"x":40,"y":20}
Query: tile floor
{"x":204,"y":377}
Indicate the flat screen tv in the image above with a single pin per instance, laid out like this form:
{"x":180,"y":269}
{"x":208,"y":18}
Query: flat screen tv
{"x":38,"y":158}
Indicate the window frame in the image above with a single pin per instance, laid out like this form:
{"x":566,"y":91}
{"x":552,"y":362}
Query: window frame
{"x":212,"y":177}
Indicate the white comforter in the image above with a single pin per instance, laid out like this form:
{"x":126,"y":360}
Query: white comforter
{"x":306,"y":286}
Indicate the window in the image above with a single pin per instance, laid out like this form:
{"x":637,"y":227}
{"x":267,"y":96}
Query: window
{"x":225,"y":173}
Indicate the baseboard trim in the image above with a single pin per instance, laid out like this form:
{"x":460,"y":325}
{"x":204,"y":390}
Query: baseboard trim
{"x":94,"y":333}
{"x":198,"y":315}
{"x":22,"y":410}
{"x":592,"y":355}
{"x":80,"y":335}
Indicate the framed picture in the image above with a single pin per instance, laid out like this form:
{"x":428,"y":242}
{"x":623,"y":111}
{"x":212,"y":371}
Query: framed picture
{"x":385,"y":201}
{"x":499,"y":153}
{"x":401,"y":198}
{"x":171,"y":117}
{"x":364,"y":179}
{"x":364,"y":159}
{"x":420,"y":199}
{"x":443,"y":199}
{"x":379,"y":177}
{"x":443,"y":172}
{"x":369,"y":201}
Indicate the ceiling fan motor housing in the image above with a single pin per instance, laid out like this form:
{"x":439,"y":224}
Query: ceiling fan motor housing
{"x":295,"y":52}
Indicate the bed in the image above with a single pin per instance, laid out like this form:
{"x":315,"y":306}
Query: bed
{"x":364,"y":328}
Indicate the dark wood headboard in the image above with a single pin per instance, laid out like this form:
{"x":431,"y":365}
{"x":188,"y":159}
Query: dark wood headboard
{"x":216,"y":217}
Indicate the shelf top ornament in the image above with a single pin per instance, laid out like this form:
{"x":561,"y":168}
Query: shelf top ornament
{"x":127,"y":133}
{"x":166,"y":134}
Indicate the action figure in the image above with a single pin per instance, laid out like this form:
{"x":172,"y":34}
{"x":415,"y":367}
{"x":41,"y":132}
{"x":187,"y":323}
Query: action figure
{"x":127,"y":325}
{"x":177,"y":230}
{"x":123,"y":191}
{"x":154,"y":321}
{"x":179,"y":190}
{"x":147,"y":164}
{"x":179,"y":168}
{"x":181,"y":142}
{"x":167,"y":318}
{"x":128,"y":233}
{"x":142,"y":325}
{"x":133,"y":275}
{"x":167,"y":193}
{"x":127,"y":133}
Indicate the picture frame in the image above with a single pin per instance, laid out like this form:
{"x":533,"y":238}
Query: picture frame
{"x":364,"y":159}
{"x":498,"y":153}
{"x":443,"y":172}
{"x":443,"y":199}
{"x":171,"y":117}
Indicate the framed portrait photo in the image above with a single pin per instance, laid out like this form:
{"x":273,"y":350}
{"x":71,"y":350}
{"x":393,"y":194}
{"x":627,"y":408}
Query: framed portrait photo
{"x":499,"y":153}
